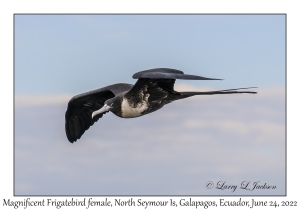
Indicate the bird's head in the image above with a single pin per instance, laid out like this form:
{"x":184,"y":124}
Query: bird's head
{"x":111,"y":104}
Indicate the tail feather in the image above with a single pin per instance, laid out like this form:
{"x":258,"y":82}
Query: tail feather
{"x":238,"y":89}
{"x":228,"y":91}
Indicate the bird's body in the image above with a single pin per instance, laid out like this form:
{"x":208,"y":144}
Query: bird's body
{"x":130,"y":110}
{"x":153,"y":90}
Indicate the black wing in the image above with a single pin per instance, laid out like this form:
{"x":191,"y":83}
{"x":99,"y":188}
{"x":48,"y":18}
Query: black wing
{"x":160,"y":81}
{"x":78,"y":116}
{"x":165,"y":73}
{"x":158,"y":86}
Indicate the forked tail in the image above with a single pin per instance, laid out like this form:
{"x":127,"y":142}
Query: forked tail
{"x":228,"y":91}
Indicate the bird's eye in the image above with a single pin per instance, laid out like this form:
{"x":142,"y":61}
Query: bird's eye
{"x":111,"y":104}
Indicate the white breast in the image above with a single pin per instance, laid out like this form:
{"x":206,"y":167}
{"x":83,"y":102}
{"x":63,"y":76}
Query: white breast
{"x":129,"y":111}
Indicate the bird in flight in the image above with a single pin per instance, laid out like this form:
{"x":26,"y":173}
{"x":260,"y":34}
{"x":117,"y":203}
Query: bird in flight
{"x":153,"y":89}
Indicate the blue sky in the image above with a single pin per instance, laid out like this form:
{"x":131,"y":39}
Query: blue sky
{"x":56,"y":54}
{"x":190,"y":141}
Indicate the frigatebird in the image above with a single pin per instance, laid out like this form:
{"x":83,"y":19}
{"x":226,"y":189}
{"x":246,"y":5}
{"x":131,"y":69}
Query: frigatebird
{"x":153,"y":89}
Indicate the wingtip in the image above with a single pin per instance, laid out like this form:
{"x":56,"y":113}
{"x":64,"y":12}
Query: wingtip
{"x":71,"y":140}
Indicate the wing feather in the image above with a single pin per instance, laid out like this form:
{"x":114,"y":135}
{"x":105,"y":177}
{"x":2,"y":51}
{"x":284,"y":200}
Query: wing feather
{"x":78,"y":117}
{"x":165,"y":73}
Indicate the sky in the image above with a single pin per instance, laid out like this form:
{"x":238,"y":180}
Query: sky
{"x":174,"y":151}
{"x":83,"y":52}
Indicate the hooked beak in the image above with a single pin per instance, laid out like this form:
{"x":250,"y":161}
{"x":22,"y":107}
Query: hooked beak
{"x":105,"y":108}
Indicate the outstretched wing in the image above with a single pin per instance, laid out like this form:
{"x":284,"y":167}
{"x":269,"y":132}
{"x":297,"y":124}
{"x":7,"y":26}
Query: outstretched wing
{"x":158,"y":86}
{"x":78,"y":116}
{"x":160,"y":81}
{"x":166,"y":73}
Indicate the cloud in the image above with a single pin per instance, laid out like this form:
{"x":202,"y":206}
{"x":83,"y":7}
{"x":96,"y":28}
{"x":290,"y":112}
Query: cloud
{"x":38,"y":100}
{"x":173,"y":151}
